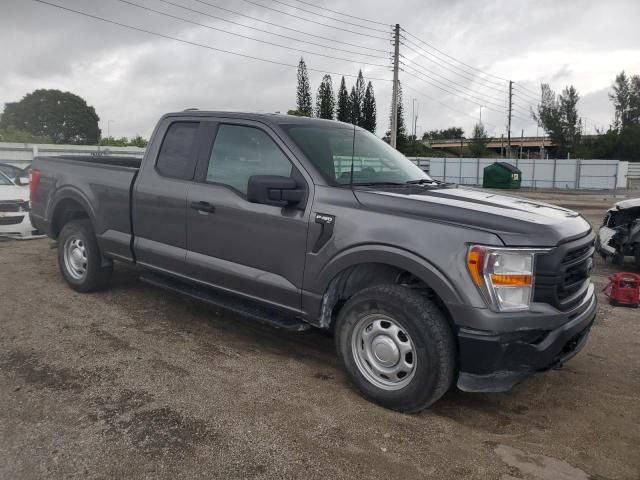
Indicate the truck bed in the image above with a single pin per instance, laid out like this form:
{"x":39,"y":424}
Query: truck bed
{"x":101,"y":185}
{"x":128,"y":162}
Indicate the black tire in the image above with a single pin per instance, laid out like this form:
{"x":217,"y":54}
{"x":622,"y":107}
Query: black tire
{"x":96,"y":275}
{"x":427,"y":328}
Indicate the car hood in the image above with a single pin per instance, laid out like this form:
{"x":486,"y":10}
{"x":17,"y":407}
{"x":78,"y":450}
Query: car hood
{"x":13,"y":192}
{"x":517,"y":221}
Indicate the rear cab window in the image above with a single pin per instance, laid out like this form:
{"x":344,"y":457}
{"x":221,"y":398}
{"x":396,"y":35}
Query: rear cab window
{"x":176,"y":158}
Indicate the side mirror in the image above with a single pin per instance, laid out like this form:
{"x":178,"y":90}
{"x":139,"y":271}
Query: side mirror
{"x":22,"y":181}
{"x":274,"y":190}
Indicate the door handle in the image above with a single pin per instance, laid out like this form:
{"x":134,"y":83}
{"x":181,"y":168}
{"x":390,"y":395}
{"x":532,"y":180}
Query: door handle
{"x":203,"y":207}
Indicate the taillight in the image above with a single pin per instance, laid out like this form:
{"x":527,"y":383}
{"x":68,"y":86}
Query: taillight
{"x":33,"y":185}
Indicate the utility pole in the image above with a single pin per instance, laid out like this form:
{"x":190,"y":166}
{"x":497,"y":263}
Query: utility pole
{"x":394,"y":97}
{"x":509,"y":119}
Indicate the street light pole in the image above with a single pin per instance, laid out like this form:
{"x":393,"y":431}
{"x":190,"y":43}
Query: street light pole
{"x":109,"y":127}
{"x":481,"y":107}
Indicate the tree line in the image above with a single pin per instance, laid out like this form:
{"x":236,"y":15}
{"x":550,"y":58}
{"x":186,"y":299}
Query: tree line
{"x":53,"y":116}
{"x":558,"y":115}
{"x":357,"y":107}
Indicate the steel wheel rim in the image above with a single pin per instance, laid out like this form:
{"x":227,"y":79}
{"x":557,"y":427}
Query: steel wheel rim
{"x":75,"y":257}
{"x":383,"y":352}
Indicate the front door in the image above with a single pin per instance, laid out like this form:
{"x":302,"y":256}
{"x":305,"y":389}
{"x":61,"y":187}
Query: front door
{"x":247,"y":248}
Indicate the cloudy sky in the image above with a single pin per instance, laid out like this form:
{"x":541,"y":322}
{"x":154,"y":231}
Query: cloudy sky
{"x":131,"y":77}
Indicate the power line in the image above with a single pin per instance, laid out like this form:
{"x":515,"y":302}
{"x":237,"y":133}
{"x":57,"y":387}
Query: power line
{"x":453,"y":58}
{"x":423,"y":69}
{"x":444,"y":104}
{"x":268,"y":32}
{"x":525,"y":94}
{"x":341,"y":13}
{"x":526,"y":89}
{"x":255,"y":19}
{"x":484,"y":103}
{"x":208,"y":47}
{"x":473,"y":78}
{"x":245,"y":36}
{"x":329,"y":17}
{"x":317,"y":23}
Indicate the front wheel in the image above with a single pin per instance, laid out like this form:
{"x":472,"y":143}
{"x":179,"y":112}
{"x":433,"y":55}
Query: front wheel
{"x":79,"y":258}
{"x":397,"y":347}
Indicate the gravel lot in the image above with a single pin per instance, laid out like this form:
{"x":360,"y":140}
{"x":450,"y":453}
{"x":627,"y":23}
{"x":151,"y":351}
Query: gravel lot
{"x":133,"y":382}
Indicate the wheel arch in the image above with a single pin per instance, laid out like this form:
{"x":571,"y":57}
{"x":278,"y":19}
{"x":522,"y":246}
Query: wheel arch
{"x":364,"y":267}
{"x":69,"y":205}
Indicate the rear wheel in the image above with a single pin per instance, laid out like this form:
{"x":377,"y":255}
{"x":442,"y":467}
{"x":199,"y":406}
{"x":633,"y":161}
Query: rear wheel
{"x":396,"y":346}
{"x":79,"y":257}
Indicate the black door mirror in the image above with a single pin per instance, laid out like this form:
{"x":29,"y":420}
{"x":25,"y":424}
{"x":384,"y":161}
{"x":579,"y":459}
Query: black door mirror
{"x":274,"y":190}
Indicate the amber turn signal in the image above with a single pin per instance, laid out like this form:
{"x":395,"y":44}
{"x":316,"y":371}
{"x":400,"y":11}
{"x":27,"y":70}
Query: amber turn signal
{"x":475,"y":264}
{"x":510,"y":280}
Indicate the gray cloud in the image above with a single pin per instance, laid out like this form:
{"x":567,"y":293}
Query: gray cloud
{"x":132,"y":78}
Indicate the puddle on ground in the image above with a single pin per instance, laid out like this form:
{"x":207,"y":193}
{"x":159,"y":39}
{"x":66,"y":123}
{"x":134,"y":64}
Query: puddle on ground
{"x":537,"y":467}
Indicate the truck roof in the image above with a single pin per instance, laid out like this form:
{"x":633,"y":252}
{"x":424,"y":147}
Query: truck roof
{"x":270,"y":118}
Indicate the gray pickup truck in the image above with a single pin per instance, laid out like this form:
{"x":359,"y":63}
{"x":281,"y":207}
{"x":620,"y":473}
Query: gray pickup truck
{"x":301,"y":222}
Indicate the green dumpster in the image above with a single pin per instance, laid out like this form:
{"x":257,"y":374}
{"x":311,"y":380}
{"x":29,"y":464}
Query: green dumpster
{"x":501,"y":175}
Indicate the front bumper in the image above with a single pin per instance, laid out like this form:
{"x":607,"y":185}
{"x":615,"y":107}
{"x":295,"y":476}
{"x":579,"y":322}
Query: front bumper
{"x":17,"y":225}
{"x":495,"y":362}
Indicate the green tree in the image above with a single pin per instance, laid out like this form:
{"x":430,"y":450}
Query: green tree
{"x":343,"y":109}
{"x":402,"y":141}
{"x":61,"y":116}
{"x":479,"y":141}
{"x":11,"y":134}
{"x":357,"y":101}
{"x":634,"y":100}
{"x":621,"y":98}
{"x":303,"y":94}
{"x":446,"y":134}
{"x":325,"y":100}
{"x":138,"y":141}
{"x":355,"y":104}
{"x":369,"y":120}
{"x":558,"y":116}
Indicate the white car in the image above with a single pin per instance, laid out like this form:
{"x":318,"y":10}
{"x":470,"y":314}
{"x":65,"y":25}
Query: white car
{"x":14,"y":210}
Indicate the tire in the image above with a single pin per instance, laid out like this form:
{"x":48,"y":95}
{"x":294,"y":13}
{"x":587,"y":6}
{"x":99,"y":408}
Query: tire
{"x":82,"y":266}
{"x":389,"y":316}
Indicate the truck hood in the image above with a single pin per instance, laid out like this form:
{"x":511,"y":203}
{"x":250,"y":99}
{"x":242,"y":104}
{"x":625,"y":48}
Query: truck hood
{"x":517,"y":221}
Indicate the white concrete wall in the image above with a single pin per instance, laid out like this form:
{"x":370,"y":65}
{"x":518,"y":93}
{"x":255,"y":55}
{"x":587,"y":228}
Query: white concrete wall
{"x":21,"y":154}
{"x":536,"y":173}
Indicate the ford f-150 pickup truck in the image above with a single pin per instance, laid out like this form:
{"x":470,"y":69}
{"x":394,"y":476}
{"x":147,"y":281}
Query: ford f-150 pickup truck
{"x":301,"y":222}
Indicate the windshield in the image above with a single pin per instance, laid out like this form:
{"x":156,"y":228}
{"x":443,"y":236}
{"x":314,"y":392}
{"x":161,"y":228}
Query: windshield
{"x":335,"y":151}
{"x":4,"y":180}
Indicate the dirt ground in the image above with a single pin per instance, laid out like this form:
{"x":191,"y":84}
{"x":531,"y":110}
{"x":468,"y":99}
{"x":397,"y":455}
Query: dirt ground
{"x":133,"y":382}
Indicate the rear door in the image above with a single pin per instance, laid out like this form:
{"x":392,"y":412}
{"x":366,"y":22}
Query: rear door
{"x":247,"y":248}
{"x":160,"y":196}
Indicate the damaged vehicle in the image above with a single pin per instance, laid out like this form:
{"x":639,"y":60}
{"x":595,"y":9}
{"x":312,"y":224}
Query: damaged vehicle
{"x":14,"y":210}
{"x":619,"y":235}
{"x":301,"y":222}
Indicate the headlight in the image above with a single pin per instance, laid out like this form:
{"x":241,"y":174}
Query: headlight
{"x":503,"y":275}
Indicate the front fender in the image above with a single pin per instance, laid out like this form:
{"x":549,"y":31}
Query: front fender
{"x":388,"y":255}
